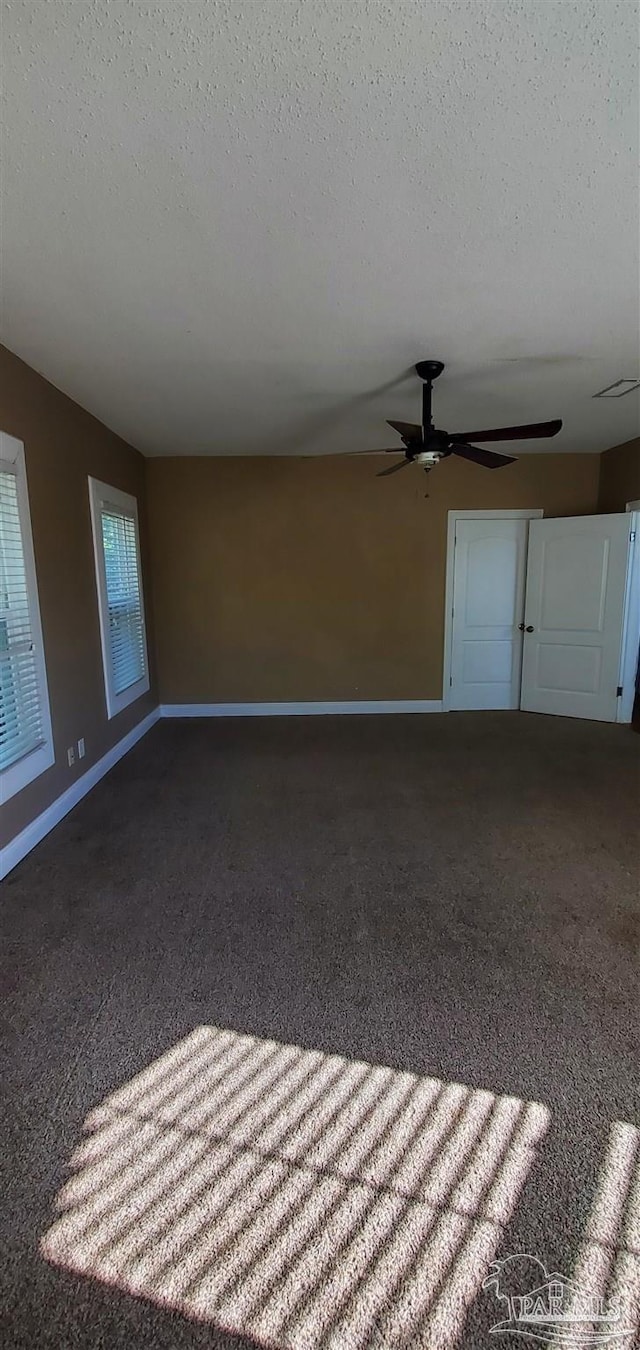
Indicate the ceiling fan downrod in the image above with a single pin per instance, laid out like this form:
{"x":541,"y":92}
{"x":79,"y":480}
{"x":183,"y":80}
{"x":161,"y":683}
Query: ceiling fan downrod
{"x":428,"y":371}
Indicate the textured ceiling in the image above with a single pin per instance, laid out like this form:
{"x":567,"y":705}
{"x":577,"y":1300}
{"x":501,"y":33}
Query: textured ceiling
{"x":228,"y":225}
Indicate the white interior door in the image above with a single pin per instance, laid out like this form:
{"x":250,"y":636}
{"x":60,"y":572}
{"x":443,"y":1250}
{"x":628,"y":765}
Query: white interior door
{"x":488,"y":605}
{"x":574,"y":612}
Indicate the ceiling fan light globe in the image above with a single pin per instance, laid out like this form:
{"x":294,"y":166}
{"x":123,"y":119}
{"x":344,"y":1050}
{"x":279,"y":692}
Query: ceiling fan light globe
{"x":428,"y":458}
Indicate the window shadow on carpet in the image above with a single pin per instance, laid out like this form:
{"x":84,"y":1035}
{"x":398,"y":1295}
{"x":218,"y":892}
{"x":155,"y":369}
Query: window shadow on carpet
{"x":293,"y":1197}
{"x":608,"y":1262}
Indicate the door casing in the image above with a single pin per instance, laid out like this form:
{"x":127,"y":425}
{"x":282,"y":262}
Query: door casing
{"x":631,"y":622}
{"x":523,"y":513}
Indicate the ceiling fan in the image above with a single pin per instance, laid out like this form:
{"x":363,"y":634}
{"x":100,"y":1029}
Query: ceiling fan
{"x":426,"y":445}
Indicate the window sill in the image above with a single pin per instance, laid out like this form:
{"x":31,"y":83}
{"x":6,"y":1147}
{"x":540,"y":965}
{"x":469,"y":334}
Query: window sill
{"x":17,"y":776}
{"x":117,"y":702}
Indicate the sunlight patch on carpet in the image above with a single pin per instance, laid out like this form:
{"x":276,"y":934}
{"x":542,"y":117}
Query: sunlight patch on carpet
{"x":295,"y":1197}
{"x":608,"y":1262}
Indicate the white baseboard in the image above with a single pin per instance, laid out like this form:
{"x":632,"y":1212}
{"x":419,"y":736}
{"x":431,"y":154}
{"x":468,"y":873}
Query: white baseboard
{"x":17,"y":849}
{"x":388,"y":705}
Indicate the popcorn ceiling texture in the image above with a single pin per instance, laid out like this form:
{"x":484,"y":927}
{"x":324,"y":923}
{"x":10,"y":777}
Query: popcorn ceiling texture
{"x":229,"y":224}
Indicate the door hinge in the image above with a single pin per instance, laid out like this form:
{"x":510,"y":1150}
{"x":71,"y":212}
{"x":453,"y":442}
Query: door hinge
{"x":619,"y":691}
{"x":632,"y":535}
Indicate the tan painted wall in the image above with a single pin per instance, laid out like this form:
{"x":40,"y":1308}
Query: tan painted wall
{"x":281,"y":578}
{"x":273,"y":578}
{"x":619,"y":476}
{"x":63,"y":445}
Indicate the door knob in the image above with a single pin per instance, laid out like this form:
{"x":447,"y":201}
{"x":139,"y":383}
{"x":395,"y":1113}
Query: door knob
{"x":528,"y":629}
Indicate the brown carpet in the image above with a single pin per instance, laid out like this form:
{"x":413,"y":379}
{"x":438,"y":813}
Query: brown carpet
{"x":309,"y":1021}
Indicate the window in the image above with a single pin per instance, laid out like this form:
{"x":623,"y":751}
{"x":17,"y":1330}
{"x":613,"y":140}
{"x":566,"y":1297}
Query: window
{"x":26,"y":746}
{"x":114,"y":517}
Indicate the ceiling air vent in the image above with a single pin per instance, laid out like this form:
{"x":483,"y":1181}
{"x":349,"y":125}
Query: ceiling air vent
{"x":618,"y":389}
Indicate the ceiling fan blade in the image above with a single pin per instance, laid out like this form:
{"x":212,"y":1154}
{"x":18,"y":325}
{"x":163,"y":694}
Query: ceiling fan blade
{"x":387,"y":450}
{"x":346,"y":454}
{"x":529,"y":432}
{"x":393,"y":468}
{"x":487,"y":458}
{"x":408,"y":430}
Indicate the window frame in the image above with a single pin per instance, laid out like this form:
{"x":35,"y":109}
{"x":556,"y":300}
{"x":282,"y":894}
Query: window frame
{"x":18,"y":775}
{"x":101,"y":494}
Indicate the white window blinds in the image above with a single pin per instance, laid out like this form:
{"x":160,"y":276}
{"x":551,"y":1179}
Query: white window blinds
{"x":115,"y":526}
{"x":26,"y":747}
{"x":126,"y":632}
{"x":21,"y":723}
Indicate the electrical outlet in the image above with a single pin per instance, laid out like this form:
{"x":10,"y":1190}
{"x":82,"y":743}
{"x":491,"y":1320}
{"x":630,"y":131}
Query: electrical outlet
{"x":81,"y":748}
{"x":71,"y":756}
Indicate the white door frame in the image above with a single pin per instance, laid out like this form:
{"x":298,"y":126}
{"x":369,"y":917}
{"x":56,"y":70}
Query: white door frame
{"x":513,"y":513}
{"x":630,"y":622}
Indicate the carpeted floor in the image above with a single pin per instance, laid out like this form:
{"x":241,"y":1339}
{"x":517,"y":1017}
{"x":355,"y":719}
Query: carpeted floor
{"x":307,"y":1021}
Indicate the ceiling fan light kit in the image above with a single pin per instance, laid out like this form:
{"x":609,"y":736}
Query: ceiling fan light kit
{"x":426,"y":444}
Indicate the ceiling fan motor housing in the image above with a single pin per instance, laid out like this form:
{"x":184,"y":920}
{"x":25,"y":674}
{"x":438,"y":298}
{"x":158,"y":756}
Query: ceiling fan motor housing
{"x":436,"y":442}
